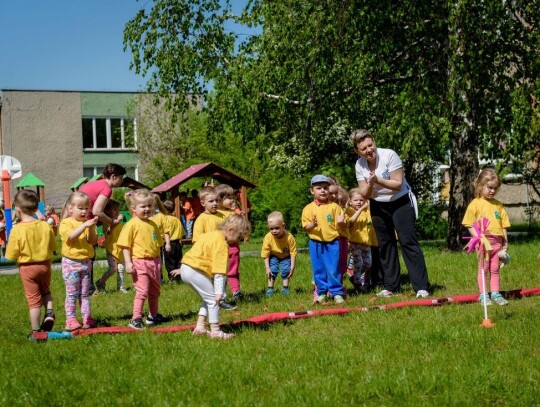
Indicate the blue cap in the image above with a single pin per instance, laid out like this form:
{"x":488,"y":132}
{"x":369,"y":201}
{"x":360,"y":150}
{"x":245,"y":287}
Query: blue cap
{"x":320,"y":178}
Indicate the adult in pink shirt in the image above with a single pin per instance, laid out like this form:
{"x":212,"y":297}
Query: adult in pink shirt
{"x":100,"y":191}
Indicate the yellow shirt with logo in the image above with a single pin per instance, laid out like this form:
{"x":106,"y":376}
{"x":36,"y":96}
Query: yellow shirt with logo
{"x":209,"y":254}
{"x":207,"y":222}
{"x":79,"y":248}
{"x":280,"y":247}
{"x":162,"y":223}
{"x":143,"y":238}
{"x":111,"y":243}
{"x":327,"y":215}
{"x":31,"y":242}
{"x":493,"y":210}
{"x":361,"y":230}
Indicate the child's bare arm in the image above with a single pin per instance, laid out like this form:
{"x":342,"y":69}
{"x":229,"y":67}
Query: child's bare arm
{"x":79,"y":230}
{"x":267,"y":266}
{"x":293,"y":266}
{"x":127,"y":260}
{"x":312,"y":225}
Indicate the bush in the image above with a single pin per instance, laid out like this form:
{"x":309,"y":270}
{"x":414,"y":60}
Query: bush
{"x":430,"y":224}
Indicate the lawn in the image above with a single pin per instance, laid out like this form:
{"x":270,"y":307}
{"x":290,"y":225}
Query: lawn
{"x":408,"y":357}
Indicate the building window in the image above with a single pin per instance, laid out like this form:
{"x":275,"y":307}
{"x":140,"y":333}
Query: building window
{"x":111,"y":133}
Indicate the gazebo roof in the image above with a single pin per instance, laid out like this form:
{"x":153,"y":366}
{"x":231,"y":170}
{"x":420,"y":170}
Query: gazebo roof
{"x":129,"y":182}
{"x":79,"y":182}
{"x":30,"y":180}
{"x":210,"y":170}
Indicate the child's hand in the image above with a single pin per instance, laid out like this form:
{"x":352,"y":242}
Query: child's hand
{"x":129,"y":267}
{"x":168,"y":247}
{"x":291,"y":273}
{"x":268,"y":273}
{"x":314,"y":221}
{"x":91,"y":222}
{"x":341,"y":218}
{"x":175,"y":273}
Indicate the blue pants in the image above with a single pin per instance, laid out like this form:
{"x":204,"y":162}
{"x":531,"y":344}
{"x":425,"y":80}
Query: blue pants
{"x":325,"y":264}
{"x":277,"y":265}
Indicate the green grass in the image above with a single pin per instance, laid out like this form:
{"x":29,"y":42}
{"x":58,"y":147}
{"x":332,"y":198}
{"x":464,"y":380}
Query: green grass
{"x":406,"y":357}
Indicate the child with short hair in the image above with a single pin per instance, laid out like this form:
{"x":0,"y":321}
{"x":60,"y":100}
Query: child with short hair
{"x":141,"y":241}
{"x":279,"y":253}
{"x":486,"y":206}
{"x":115,"y":255}
{"x":321,"y":219}
{"x":204,"y":268}
{"x":31,"y":244}
{"x":362,"y":238}
{"x":209,"y":220}
{"x":225,"y":195}
{"x":176,"y":231}
{"x":79,"y":236}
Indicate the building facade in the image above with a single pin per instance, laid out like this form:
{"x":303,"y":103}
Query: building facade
{"x":61,"y":136}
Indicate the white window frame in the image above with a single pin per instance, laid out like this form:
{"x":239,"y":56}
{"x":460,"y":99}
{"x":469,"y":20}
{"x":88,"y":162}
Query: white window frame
{"x":108,"y":129}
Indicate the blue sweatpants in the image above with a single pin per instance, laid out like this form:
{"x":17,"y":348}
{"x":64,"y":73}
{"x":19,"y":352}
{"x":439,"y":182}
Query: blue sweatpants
{"x":325,"y":264}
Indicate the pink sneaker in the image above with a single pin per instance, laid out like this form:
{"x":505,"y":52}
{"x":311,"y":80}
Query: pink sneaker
{"x":200,"y":331}
{"x":89,"y":323}
{"x":220,"y":335}
{"x":72,"y":324}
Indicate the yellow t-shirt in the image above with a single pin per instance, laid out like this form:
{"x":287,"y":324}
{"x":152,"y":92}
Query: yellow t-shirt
{"x":142,"y":238}
{"x":31,"y":242}
{"x":362,"y":230}
{"x":78,"y":249}
{"x":326,"y":214}
{"x":209,"y":254}
{"x":281,"y":248}
{"x":491,"y":209}
{"x":111,"y":243}
{"x":176,"y":230}
{"x":226,"y":212}
{"x":207,"y":222}
{"x":162,"y":223}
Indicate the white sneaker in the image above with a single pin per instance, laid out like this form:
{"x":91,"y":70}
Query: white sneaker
{"x":385,"y":294}
{"x":422,"y":294}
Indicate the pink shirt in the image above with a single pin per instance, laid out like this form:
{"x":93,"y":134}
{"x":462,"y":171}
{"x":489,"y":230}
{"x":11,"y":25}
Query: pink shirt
{"x":93,"y":190}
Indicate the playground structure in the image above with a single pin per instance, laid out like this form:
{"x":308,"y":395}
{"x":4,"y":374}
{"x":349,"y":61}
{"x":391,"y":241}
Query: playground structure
{"x":209,"y":171}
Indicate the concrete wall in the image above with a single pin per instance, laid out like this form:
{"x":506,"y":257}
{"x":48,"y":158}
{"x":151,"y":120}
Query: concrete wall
{"x":43,"y":131}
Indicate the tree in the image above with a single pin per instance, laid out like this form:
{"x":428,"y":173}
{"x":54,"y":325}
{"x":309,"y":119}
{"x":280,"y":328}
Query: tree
{"x":426,"y":77}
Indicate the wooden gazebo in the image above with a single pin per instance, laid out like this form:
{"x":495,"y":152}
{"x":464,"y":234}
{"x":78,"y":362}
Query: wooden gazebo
{"x":206,"y":170}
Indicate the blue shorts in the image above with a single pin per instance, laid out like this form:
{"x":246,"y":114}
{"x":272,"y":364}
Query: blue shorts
{"x":276,"y":264}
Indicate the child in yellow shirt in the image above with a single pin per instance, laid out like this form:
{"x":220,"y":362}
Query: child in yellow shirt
{"x":31,"y":244}
{"x":204,"y":268}
{"x":173,"y":257}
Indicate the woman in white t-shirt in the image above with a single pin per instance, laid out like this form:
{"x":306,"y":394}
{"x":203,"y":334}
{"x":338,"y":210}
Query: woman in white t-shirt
{"x":379,"y":172}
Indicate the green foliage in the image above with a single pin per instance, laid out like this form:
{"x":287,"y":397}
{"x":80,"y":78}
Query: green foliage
{"x":430,"y":224}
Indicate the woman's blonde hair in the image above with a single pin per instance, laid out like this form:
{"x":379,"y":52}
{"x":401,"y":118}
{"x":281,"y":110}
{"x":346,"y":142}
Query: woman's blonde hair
{"x":359,"y":135}
{"x":485,"y":176}
{"x":73,"y":198}
{"x":239,"y":223}
{"x":139,"y":196}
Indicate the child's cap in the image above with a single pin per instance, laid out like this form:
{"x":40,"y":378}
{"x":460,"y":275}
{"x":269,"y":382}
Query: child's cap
{"x":320,"y":178}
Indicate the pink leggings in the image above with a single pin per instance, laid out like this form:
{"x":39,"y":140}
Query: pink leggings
{"x":147,"y":281}
{"x":233,"y":276}
{"x":490,"y":265}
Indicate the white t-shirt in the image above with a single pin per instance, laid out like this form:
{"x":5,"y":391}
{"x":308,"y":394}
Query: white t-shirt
{"x":387,"y":161}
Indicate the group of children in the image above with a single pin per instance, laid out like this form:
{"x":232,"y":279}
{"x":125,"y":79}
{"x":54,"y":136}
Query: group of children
{"x":337,"y":222}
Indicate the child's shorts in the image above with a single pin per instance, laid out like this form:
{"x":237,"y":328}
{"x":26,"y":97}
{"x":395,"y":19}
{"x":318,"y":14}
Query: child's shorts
{"x":276,"y":264}
{"x":36,"y":279}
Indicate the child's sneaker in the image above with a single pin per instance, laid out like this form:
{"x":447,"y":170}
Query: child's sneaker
{"x":89,"y":323}
{"x":137,"y":324}
{"x":285,"y":291}
{"x":100,"y":287}
{"x":48,"y":322}
{"x":155,"y":320}
{"x":226,"y":305}
{"x":485,"y":297}
{"x":238,"y":295}
{"x":72,"y":324}
{"x":269,"y":292}
{"x":338,"y":299}
{"x":123,"y":290}
{"x":200,"y":331}
{"x":499,"y":299}
{"x":385,"y":294}
{"x":220,"y":335}
{"x":321,"y":298}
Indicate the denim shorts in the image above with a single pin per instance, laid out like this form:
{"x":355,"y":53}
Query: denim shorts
{"x":276,"y":264}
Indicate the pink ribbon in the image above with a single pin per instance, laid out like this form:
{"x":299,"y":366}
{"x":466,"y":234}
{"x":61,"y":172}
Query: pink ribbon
{"x":476,"y":242}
